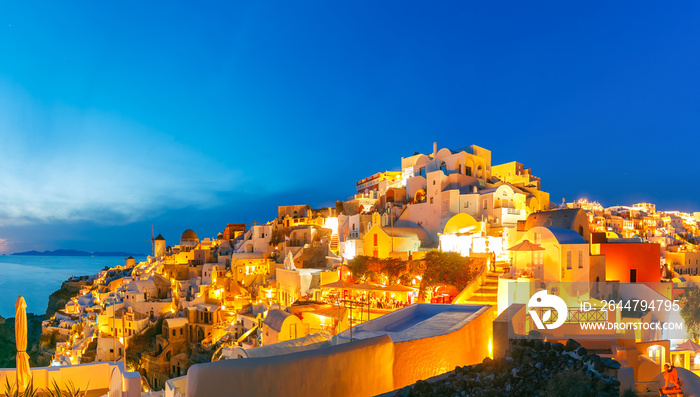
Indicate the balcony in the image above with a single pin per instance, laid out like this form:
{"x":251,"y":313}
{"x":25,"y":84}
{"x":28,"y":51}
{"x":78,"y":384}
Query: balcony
{"x":510,"y":216}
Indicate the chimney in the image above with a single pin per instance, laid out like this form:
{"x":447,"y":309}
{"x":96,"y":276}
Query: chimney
{"x":434,"y":149}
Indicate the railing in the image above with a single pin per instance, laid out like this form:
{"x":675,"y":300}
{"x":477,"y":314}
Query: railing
{"x":647,"y":388}
{"x":575,"y":316}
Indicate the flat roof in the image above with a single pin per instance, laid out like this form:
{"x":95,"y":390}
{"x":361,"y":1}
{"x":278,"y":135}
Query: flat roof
{"x":417,"y":321}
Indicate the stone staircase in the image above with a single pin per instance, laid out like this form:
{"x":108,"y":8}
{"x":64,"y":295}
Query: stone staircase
{"x":487,"y":294}
{"x":334,"y":242}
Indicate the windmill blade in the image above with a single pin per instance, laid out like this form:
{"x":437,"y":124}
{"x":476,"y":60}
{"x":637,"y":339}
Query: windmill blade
{"x":153,"y":241}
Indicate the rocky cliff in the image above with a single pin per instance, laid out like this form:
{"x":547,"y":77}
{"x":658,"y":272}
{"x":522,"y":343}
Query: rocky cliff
{"x":531,"y":368}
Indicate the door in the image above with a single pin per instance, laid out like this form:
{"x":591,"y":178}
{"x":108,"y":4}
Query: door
{"x":633,"y":275}
{"x":539,"y":272}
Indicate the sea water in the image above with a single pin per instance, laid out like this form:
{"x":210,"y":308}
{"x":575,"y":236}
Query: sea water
{"x":37,"y":277}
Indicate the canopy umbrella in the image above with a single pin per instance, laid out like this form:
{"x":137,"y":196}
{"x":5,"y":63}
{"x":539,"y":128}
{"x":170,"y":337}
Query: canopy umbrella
{"x":399,"y":288}
{"x":338,"y":285}
{"x":367,"y":287}
{"x":688,"y":345}
{"x":23,"y":374}
{"x":525,"y":246}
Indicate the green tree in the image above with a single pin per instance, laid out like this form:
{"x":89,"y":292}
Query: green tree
{"x":359,"y":266}
{"x":446,"y":268}
{"x":690,"y":310}
{"x":393,"y":268}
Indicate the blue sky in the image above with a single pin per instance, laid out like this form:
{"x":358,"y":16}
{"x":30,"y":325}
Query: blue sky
{"x":116,"y":117}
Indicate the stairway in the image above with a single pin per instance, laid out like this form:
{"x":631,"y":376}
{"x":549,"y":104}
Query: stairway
{"x":334,"y":242}
{"x":487,"y":294}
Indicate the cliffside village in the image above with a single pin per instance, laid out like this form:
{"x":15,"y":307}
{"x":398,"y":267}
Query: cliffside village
{"x":297,"y":283}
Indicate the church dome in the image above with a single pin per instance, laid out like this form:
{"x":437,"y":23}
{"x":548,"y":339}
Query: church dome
{"x":189,"y":235}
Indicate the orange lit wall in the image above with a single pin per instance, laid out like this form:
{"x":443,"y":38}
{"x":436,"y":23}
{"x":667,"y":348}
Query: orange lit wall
{"x":620,"y":258}
{"x":423,"y":358}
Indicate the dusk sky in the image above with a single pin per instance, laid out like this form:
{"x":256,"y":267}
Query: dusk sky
{"x":183,"y":115}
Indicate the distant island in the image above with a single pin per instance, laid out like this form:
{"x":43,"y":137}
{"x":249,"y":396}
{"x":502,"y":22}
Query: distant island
{"x":74,"y":253}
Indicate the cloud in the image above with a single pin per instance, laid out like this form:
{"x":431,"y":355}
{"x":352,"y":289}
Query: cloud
{"x":4,"y":245}
{"x":64,"y":164}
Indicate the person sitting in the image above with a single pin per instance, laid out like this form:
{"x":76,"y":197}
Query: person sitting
{"x":673,"y":384}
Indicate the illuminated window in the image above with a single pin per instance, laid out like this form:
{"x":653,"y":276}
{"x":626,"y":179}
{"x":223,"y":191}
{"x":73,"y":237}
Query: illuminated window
{"x":538,"y":238}
{"x":375,"y":238}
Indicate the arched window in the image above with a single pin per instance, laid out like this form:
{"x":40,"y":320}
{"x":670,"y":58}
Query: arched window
{"x":419,"y":196}
{"x":467,"y":171}
{"x":459,"y":168}
{"x":443,"y":167}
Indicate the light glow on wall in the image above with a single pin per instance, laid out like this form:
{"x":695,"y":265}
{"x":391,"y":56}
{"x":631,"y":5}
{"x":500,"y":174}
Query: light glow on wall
{"x":331,"y":223}
{"x":465,"y":245}
{"x":349,"y":250}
